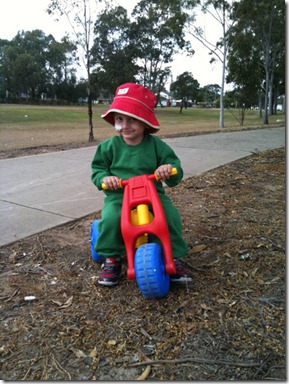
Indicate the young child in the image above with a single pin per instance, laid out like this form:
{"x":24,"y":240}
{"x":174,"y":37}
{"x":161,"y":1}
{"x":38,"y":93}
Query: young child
{"x":134,"y":151}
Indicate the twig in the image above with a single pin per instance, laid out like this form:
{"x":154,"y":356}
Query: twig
{"x":194,"y":360}
{"x":202,"y":268}
{"x":13,"y":294}
{"x":59,"y":367}
{"x":148,"y":369}
{"x":270,"y":369}
{"x":27,"y":373}
{"x":42,"y":249}
{"x":270,"y":300}
{"x":144,"y":332}
{"x":260,"y":368}
{"x":44,"y":376}
{"x":184,"y":303}
{"x":44,"y":270}
{"x":145,"y":373}
{"x":264,"y":323}
{"x":276,"y":245}
{"x":10,"y":357}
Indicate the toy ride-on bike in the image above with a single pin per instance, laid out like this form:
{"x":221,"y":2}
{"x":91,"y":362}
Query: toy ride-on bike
{"x":142,"y":219}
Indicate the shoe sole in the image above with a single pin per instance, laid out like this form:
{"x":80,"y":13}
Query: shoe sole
{"x":108,"y":283}
{"x":182,"y":280}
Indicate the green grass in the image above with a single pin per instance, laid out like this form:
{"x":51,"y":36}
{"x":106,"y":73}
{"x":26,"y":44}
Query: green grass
{"x":203,"y":115}
{"x":15,"y":114}
{"x":26,"y":126}
{"x":27,"y":114}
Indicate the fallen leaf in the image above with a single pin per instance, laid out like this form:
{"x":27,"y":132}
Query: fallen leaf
{"x":67,"y":303}
{"x":57,"y":302}
{"x":93,"y":352}
{"x":273,"y":280}
{"x":198,"y":248}
{"x":204,"y":306}
{"x":2,"y":349}
{"x":145,"y":373}
{"x":78,"y":352}
{"x":13,"y":257}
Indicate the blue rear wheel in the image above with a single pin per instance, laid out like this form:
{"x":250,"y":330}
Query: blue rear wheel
{"x":94,"y":235}
{"x":151,"y":275}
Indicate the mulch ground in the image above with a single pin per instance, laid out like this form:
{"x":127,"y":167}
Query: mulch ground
{"x":57,"y":323}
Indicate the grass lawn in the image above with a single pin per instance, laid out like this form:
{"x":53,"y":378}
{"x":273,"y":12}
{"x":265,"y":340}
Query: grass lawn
{"x":25,"y":126}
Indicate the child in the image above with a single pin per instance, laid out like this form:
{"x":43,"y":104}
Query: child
{"x":134,"y":151}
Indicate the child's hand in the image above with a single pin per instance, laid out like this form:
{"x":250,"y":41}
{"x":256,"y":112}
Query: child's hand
{"x":111,"y":182}
{"x":164,"y":172}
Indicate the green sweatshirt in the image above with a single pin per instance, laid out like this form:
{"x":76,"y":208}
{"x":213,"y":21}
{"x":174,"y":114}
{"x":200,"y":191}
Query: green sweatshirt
{"x":115,"y":157}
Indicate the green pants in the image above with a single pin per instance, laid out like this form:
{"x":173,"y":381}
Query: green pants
{"x":110,"y":242}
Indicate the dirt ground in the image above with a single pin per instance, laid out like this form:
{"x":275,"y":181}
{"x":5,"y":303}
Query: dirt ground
{"x":18,"y":141}
{"x":57,"y":323}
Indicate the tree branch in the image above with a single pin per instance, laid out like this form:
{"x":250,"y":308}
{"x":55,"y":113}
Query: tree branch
{"x":194,"y":360}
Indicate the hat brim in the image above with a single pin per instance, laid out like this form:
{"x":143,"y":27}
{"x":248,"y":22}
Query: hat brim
{"x":133,"y":109}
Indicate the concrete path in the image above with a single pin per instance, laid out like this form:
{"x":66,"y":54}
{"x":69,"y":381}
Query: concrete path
{"x":42,"y":191}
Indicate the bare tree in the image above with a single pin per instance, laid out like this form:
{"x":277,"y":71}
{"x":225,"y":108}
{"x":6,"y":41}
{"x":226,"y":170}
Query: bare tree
{"x":219,"y":10}
{"x":81,"y":15}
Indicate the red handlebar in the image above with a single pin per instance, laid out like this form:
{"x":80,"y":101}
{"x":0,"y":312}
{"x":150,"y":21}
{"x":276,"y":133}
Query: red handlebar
{"x":153,"y":176}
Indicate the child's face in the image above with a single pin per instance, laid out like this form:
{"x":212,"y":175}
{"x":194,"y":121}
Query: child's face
{"x":131,"y":129}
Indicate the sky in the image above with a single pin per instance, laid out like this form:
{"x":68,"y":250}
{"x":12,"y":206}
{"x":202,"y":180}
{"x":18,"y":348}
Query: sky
{"x":27,"y":15}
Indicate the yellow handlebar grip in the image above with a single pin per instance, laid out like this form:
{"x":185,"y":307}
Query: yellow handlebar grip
{"x":104,"y":186}
{"x":174,"y":171}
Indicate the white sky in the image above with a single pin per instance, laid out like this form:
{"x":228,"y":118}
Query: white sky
{"x":27,"y":15}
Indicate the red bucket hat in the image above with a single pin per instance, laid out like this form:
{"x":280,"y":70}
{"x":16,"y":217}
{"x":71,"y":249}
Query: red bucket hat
{"x":136,"y":101}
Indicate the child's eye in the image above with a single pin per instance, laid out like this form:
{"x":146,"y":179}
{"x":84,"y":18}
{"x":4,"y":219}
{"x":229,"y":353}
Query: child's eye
{"x":118,"y":118}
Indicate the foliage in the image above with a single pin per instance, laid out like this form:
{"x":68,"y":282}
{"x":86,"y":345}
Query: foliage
{"x":112,"y":51}
{"x":157,"y":33}
{"x":32,"y":62}
{"x":185,"y":87}
{"x":210,"y":93}
{"x":257,"y":50}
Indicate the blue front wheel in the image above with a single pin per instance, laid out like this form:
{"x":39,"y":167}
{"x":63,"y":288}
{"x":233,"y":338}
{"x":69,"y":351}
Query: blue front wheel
{"x":151,"y":275}
{"x":94,"y":234}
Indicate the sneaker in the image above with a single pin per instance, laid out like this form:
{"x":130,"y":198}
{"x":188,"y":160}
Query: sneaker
{"x":110,"y":272}
{"x":181,"y":276}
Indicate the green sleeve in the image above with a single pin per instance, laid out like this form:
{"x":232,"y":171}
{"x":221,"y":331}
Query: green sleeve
{"x":101,"y":164}
{"x":166,"y":155}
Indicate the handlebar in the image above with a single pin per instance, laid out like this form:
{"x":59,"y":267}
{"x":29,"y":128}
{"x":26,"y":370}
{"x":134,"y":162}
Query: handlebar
{"x":153,"y":176}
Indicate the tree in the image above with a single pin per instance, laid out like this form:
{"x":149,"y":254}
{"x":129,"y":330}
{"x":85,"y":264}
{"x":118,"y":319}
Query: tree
{"x":80,"y":15}
{"x":209,"y":93}
{"x":112,"y":50}
{"x":263,"y":24}
{"x":220,"y":11}
{"x":35,"y":65}
{"x":157,"y":34}
{"x":244,"y":67}
{"x":25,"y":62}
{"x":61,"y":69}
{"x":185,"y":88}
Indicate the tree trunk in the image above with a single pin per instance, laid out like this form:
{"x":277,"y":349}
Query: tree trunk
{"x":222,"y":124}
{"x":90,"y":124}
{"x":266,"y":119}
{"x":89,"y":105}
{"x":271,"y":93}
{"x":260,"y":104}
